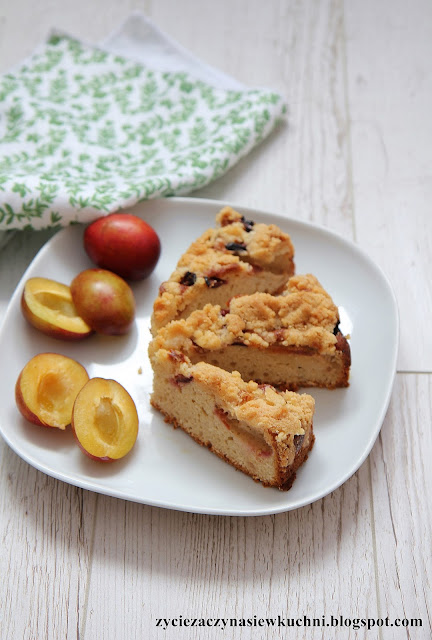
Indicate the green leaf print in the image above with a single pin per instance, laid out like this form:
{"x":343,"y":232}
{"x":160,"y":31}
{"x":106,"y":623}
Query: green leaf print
{"x":198,"y":134}
{"x":107,"y":136}
{"x":20,"y":188}
{"x":54,"y":40}
{"x":48,"y":62}
{"x":14,"y":118}
{"x":81,"y":128}
{"x":55,"y":217}
{"x":58,"y":88}
{"x":8,"y":85}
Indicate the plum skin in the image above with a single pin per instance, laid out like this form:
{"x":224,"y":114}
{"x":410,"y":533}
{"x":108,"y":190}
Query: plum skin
{"x":123,"y":243}
{"x":104,"y":300}
{"x":88,"y":454}
{"x":24,"y":409}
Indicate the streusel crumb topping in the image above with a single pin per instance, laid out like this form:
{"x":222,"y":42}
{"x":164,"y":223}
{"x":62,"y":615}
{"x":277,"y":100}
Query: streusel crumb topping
{"x":238,"y":247}
{"x":304,"y":316}
{"x":239,"y":240}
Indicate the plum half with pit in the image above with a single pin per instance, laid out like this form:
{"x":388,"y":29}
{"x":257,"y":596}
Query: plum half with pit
{"x":104,"y":300}
{"x":123,"y":243}
{"x":47,"y":387}
{"x":105,"y":420}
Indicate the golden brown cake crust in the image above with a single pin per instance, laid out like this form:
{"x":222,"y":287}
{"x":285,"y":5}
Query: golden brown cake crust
{"x":285,"y":478}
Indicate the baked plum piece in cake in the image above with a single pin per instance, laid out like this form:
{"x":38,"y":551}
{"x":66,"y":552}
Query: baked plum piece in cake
{"x":237,"y":257}
{"x":263,"y":432}
{"x":290,"y":341}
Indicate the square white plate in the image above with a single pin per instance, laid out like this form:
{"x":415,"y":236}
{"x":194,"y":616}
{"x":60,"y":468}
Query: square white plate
{"x":166,"y":468}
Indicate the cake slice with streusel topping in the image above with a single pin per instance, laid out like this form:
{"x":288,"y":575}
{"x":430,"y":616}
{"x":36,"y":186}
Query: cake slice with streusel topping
{"x":237,"y":257}
{"x":265,"y":433}
{"x":291,"y":340}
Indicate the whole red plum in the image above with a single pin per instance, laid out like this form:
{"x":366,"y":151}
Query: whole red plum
{"x":123,"y":243}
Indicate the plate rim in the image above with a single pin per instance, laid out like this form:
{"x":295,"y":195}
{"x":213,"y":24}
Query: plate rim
{"x":95,"y":486}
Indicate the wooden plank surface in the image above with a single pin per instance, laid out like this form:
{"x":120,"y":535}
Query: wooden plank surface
{"x":304,"y":59}
{"x":354,"y":155}
{"x":46,"y":534}
{"x":402,"y":490}
{"x":390,"y":101}
{"x":193,"y":566}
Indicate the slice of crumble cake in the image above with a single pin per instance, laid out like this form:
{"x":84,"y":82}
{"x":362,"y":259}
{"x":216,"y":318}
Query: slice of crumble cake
{"x":290,"y":341}
{"x":263,"y":432}
{"x":237,"y":257}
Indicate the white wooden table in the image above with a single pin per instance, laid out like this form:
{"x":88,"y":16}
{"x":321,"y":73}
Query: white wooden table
{"x":355,"y":156}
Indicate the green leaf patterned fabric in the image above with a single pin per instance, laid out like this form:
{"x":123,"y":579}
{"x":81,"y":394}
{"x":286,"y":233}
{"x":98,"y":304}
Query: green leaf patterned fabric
{"x":84,"y":132}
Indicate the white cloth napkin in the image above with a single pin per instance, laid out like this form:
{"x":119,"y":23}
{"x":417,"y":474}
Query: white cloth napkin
{"x":87,"y":130}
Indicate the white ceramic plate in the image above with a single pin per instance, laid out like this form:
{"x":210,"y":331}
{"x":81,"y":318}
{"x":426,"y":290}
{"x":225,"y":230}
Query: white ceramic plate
{"x":166,"y":468}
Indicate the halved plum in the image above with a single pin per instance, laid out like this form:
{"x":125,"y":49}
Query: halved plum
{"x":48,"y":306}
{"x":105,"y":420}
{"x":46,"y":389}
